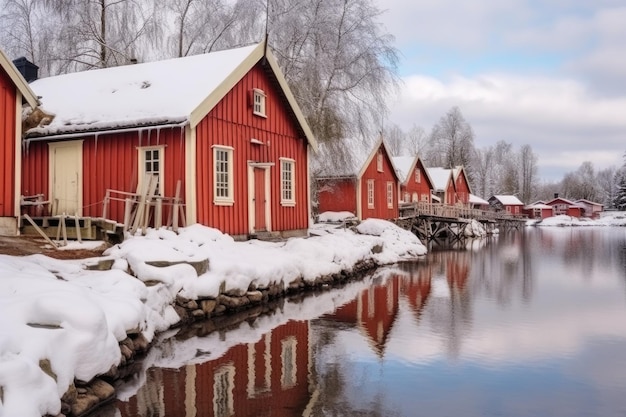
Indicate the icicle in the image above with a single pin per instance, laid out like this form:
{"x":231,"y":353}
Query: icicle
{"x":158,"y":133}
{"x":139,"y":133}
{"x":96,"y":144}
{"x":149,"y":141}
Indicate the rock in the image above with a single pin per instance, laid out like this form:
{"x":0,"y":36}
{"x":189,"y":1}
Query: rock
{"x":81,"y":391}
{"x":182,"y":313}
{"x":127,"y":352}
{"x":377,"y":249}
{"x":181,"y":301}
{"x":219,"y":309}
{"x":128,"y":342}
{"x":228,"y":301}
{"x":235,"y":292}
{"x":101,"y":265}
{"x":198,"y":314}
{"x":201,"y":266}
{"x":141,"y":343}
{"x":208,"y":306}
{"x":102,"y":389}
{"x":70,"y":396}
{"x":45,"y":366}
{"x":191,"y":305}
{"x":255,"y":296}
{"x":84,"y":403}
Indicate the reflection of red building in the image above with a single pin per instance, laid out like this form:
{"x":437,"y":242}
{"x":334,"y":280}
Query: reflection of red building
{"x":457,"y":270}
{"x":417,"y":289}
{"x":255,"y":379}
{"x":374,"y":312}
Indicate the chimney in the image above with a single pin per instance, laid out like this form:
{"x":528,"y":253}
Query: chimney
{"x":133,"y":61}
{"x":556,"y":195}
{"x":27,"y":69}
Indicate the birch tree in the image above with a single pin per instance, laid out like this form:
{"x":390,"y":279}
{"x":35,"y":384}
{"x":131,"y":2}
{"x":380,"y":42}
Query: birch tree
{"x":455,"y":139}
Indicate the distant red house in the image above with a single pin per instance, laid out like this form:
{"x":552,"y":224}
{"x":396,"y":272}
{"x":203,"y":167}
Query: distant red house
{"x":538,"y":210}
{"x":253,"y":379}
{"x":509,"y":203}
{"x":563,"y":206}
{"x":14,"y":91}
{"x":415,"y":183}
{"x":368,"y":187}
{"x":591,"y":209}
{"x":221,"y":131}
{"x":461,"y":185}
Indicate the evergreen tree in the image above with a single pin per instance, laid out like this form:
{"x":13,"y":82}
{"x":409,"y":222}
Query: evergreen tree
{"x":620,"y":197}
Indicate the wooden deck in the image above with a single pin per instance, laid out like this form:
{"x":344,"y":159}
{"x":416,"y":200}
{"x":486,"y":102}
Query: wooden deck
{"x":434,"y":221}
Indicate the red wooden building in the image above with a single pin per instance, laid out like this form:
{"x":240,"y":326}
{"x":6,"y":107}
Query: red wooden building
{"x":221,"y":131}
{"x":254,"y":379}
{"x":368,"y":187}
{"x":443,"y":185}
{"x":509,"y":203}
{"x":461,"y":185}
{"x":563,"y":206}
{"x":415,"y":183}
{"x":14,"y":91}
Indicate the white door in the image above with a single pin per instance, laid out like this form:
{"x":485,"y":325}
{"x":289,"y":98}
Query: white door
{"x":66,"y":176}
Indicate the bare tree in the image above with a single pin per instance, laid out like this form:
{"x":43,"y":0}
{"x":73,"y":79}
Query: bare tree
{"x":528,"y":173}
{"x":394,"y":139}
{"x":416,"y":140}
{"x":455,"y":138}
{"x":608,"y":186}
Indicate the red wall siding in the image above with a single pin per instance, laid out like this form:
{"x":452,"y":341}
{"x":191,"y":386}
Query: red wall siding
{"x":231,"y":123}
{"x":462,"y":188}
{"x":7,"y":145}
{"x":380,"y":210}
{"x":110,"y":161}
{"x":337,"y":195}
{"x":422,"y":188}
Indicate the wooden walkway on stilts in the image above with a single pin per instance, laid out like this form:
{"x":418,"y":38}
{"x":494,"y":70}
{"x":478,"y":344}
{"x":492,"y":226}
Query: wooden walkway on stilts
{"x":436,"y":221}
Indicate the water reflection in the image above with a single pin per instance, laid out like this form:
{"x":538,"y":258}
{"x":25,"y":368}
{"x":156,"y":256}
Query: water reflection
{"x":526,"y":324}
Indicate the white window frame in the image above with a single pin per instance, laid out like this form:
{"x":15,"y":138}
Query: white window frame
{"x":221,"y":200}
{"x":259,"y":100}
{"x":379,"y":161}
{"x":370,"y":194}
{"x":287,"y":185}
{"x":142,"y":166}
{"x":223,"y":387}
{"x":414,"y":198}
{"x":425,"y":198}
{"x":288,"y":362}
{"x":390,"y":194}
{"x":418,"y":176}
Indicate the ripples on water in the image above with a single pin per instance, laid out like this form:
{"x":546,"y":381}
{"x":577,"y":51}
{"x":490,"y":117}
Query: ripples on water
{"x":526,"y":324}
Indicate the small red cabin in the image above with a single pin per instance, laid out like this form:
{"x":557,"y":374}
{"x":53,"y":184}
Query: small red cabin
{"x":509,"y":203}
{"x":368,"y":187}
{"x":461,"y":185}
{"x":219,"y":132}
{"x":14,"y":91}
{"x":538,"y":210}
{"x":415,"y":183}
{"x":590,"y":209}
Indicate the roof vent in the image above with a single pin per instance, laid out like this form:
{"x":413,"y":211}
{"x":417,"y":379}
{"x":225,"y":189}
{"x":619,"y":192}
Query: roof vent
{"x":29,"y":71}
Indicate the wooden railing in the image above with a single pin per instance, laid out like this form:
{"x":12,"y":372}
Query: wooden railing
{"x":444,"y":210}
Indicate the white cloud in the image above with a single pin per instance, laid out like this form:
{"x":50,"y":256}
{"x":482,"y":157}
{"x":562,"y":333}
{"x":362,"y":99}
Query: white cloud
{"x":561,"y":119}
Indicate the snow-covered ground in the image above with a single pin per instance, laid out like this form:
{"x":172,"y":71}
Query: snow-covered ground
{"x":616,"y":218}
{"x":59,"y":312}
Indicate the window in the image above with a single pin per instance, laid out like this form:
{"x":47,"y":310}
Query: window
{"x":379,"y":161}
{"x":418,"y":176}
{"x":425,"y":198}
{"x":287,"y":183}
{"x":370,"y":194}
{"x":258,"y":102}
{"x":151,"y":168}
{"x":223,"y":384}
{"x":389,"y":194}
{"x":414,"y":200}
{"x":223,"y":175}
{"x":288,"y":362}
{"x":407,"y":197}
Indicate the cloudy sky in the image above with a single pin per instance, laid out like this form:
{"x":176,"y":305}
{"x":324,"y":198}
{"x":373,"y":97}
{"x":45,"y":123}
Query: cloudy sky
{"x":551,"y":74}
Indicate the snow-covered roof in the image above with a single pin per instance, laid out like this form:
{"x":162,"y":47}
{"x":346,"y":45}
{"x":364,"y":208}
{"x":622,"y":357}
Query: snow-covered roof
{"x":508,"y":200}
{"x":585,"y":201}
{"x":403,"y":165}
{"x":456,"y":171}
{"x":537,"y":206}
{"x":179,"y":90}
{"x":474,"y":199}
{"x":17,"y":79}
{"x":439,"y":176}
{"x":562,"y":200}
{"x":356,"y":154}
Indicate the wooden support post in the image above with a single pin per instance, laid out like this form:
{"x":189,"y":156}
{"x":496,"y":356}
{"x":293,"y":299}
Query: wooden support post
{"x":128,"y":207}
{"x":77,"y":225}
{"x":176,"y":207}
{"x":105,"y":204}
{"x":64,"y":229}
{"x":41,"y":232}
{"x":158,"y":213}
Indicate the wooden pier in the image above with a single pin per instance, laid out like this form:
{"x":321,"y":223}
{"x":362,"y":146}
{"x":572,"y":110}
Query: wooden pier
{"x":436,"y":221}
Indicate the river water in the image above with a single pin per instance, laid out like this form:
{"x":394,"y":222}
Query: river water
{"x":529,"y":323}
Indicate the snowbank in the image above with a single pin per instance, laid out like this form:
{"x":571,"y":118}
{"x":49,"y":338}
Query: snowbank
{"x":607,"y":219}
{"x":58,"y":312}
